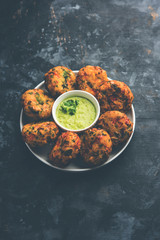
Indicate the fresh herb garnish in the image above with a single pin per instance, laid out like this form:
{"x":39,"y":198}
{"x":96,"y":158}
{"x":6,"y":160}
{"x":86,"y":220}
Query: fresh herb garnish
{"x":69,"y":106}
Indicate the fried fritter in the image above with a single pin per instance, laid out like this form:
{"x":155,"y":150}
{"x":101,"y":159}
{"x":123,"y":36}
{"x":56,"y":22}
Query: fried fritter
{"x":67,"y":147}
{"x":90,"y":78}
{"x":39,"y":134}
{"x":37,"y":104}
{"x":59,"y":80}
{"x":96,"y":146}
{"x":117,"y":124}
{"x":112,"y":95}
{"x":118,"y":95}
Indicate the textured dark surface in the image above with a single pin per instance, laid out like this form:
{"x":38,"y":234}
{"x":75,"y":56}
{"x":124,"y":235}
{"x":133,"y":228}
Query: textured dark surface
{"x":120,"y":201}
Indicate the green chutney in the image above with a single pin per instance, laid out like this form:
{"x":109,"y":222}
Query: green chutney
{"x":76,"y":113}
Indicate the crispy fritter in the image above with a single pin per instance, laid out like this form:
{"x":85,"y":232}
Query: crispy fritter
{"x":90,"y":78}
{"x":118,"y":94}
{"x":37,"y":104}
{"x":112,"y":95}
{"x":59,"y":80}
{"x":66,"y":149}
{"x":39,"y":134}
{"x":96,"y":146}
{"x":117,"y":124}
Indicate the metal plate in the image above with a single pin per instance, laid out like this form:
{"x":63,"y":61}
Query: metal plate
{"x":42,"y":153}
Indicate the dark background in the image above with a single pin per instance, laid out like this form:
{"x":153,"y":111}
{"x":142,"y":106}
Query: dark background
{"x":120,"y":201}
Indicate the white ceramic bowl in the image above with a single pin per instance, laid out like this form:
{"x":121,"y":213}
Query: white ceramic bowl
{"x":75,"y":93}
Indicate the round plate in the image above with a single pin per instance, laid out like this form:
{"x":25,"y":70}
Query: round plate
{"x":42,"y":153}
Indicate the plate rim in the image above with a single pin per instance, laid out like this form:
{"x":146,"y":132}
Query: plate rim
{"x":79,"y":169}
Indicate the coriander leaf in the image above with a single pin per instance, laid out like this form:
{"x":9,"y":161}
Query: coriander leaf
{"x":69,"y":106}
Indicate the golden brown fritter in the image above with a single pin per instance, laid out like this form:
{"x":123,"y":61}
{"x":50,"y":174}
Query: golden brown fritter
{"x":90,"y":78}
{"x":66,"y":149}
{"x":96,"y":146}
{"x":118,"y":94}
{"x":37,"y":104}
{"x":112,"y":95}
{"x":117,"y":124}
{"x":59,"y":80}
{"x":39,"y":134}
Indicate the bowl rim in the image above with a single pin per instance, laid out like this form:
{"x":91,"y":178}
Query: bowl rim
{"x":74,"y":93}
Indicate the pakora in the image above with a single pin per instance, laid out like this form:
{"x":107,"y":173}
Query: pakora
{"x":66,"y":149}
{"x":59,"y":80}
{"x":39,"y":134}
{"x":111,"y":94}
{"x":117,"y":124}
{"x":118,"y":96}
{"x":96,"y":146}
{"x":37,"y":104}
{"x":90,"y":78}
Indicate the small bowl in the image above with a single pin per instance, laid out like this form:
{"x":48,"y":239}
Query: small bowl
{"x":75,"y":93}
